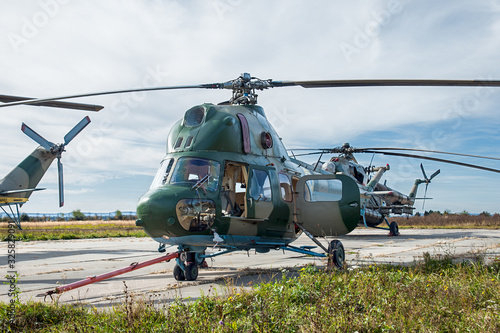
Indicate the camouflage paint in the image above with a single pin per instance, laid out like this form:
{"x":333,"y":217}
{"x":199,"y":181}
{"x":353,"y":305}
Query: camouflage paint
{"x":28,"y":173}
{"x":217,"y":133}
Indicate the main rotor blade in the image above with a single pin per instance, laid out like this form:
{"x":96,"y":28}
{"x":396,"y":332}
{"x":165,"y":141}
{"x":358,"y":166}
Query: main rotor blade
{"x":61,"y":185}
{"x":360,"y":150}
{"x":353,"y":150}
{"x":40,"y":100}
{"x":54,"y":104}
{"x":387,"y":83}
{"x":259,"y":84}
{"x":435,"y":159}
{"x":75,"y":130}
{"x":305,"y":154}
{"x":37,"y":137}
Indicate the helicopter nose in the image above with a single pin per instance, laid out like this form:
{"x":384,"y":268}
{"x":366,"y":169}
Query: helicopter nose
{"x":156,"y":214}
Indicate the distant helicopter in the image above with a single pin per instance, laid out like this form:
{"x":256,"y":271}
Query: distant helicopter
{"x":18,"y":185}
{"x":379,"y":200}
{"x":227,"y":181}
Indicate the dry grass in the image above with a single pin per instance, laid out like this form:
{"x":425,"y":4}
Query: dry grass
{"x":436,"y":220}
{"x":51,"y":224}
{"x":74,"y":230}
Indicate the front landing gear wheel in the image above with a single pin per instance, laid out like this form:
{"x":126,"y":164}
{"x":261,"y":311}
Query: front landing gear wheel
{"x":336,"y":254}
{"x":200,"y":261}
{"x":191,"y":271}
{"x":178,"y":273}
{"x":394,"y":229}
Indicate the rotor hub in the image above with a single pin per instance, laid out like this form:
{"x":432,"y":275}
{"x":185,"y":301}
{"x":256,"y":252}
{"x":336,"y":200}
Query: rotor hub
{"x":244,"y":88}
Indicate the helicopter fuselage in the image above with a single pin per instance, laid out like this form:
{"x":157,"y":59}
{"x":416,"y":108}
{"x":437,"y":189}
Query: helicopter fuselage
{"x":227,"y":180}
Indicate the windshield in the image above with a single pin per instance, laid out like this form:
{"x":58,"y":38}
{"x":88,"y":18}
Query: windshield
{"x":162,"y":173}
{"x":190,"y":170}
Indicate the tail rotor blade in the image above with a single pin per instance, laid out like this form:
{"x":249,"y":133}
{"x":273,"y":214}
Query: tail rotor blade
{"x":425,"y":195}
{"x":75,"y":130}
{"x":423,"y":171}
{"x":36,"y":137}
{"x":435,"y":174}
{"x":61,"y":185}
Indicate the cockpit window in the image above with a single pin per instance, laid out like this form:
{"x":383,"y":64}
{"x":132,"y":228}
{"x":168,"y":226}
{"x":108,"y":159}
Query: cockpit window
{"x":194,"y":116}
{"x":162,"y":173}
{"x":190,"y":170}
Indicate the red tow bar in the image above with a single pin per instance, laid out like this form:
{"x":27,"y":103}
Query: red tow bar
{"x":93,"y":279}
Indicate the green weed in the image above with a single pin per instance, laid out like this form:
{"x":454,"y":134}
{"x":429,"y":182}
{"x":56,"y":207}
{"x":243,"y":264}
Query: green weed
{"x":434,"y":295}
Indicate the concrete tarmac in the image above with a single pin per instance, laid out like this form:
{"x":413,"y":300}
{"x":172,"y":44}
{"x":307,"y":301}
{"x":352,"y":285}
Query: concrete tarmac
{"x":43,"y":265}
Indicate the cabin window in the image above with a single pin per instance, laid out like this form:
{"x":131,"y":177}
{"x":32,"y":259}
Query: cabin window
{"x":260,"y":186}
{"x":189,"y":141}
{"x":323,"y":190}
{"x":285,"y":187}
{"x":190,"y":170}
{"x":162,"y":173}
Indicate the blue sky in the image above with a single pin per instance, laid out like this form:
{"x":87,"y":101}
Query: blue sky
{"x":56,"y":47}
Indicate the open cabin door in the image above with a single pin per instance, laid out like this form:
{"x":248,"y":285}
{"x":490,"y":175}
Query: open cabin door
{"x":327,"y":205}
{"x":259,"y":193}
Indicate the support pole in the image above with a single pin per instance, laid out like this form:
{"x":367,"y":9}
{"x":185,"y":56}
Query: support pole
{"x":93,"y":279}
{"x":308,"y":234}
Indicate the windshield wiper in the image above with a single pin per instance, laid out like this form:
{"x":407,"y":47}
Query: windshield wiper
{"x":200,"y":182}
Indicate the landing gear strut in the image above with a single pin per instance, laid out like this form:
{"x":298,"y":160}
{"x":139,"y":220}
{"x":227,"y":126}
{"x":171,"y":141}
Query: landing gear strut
{"x":335,"y":251}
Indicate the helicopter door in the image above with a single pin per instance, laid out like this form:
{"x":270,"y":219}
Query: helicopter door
{"x":259,"y":194}
{"x":327,"y":205}
{"x":233,"y":190}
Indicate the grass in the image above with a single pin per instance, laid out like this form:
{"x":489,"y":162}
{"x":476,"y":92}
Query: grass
{"x":432,"y":296}
{"x":73,"y":230}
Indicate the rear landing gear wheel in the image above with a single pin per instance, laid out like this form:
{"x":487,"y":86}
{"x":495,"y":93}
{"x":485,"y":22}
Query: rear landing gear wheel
{"x":178,"y":273}
{"x":394,"y":229}
{"x":336,"y":254}
{"x":191,"y":271}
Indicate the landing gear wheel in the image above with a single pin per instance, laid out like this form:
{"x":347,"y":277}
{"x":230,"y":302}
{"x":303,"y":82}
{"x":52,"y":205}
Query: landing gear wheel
{"x":394,"y":229}
{"x":178,"y":273}
{"x":191,"y":271}
{"x":336,"y":254}
{"x":200,"y":261}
